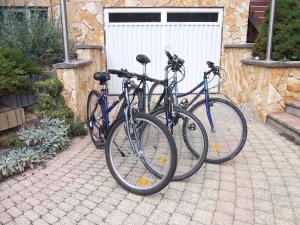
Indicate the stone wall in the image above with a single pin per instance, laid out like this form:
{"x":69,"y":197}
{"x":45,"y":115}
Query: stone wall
{"x":264,"y":87}
{"x":78,"y":81}
{"x":85,"y":17}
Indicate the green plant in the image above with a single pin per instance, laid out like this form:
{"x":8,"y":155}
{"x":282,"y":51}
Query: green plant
{"x":14,"y":67}
{"x":43,"y":103}
{"x":12,"y":140}
{"x":51,"y":86}
{"x":76,"y":129}
{"x":42,"y":142}
{"x":14,"y":84}
{"x":286,"y":38}
{"x":13,"y":62}
{"x":38,"y":38}
{"x":53,"y":105}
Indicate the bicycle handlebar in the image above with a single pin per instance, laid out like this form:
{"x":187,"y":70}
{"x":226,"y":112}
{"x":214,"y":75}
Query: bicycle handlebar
{"x":126,"y":74}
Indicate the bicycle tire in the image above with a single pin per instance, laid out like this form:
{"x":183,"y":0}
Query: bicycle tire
{"x":243,"y":122}
{"x":173,"y":154}
{"x":89,"y":99}
{"x":204,"y":137}
{"x":151,"y":95}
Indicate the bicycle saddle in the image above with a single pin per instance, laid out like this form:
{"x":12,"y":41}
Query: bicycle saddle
{"x":143,"y":59}
{"x":102,"y":76}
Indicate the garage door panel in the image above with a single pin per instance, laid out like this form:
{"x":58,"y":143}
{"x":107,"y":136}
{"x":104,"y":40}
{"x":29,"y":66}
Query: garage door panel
{"x":196,"y":43}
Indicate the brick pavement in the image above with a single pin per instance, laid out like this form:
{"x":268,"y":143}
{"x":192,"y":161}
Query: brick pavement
{"x":261,"y":186}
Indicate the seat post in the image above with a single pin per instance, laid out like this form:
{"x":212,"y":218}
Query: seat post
{"x":144,"y":69}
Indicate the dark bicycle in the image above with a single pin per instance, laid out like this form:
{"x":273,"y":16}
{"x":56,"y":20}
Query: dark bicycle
{"x":187,"y":130}
{"x":223,"y":120}
{"x":135,"y":143}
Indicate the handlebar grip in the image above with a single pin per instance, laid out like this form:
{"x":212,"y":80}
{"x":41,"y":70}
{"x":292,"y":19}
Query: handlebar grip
{"x":169,"y":55}
{"x":112,"y":71}
{"x":210,"y":64}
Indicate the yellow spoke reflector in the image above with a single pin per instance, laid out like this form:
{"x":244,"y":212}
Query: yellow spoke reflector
{"x":217,"y":147}
{"x":143,"y":181}
{"x":162,"y":160}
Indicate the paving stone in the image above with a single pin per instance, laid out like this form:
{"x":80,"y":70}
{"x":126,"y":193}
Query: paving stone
{"x":31,"y":215}
{"x":5,"y":217}
{"x":179,"y":219}
{"x":202,"y":216}
{"x":135,"y":219}
{"x":222,"y":218}
{"x":145,"y":209}
{"x":159,"y":217}
{"x":167,"y":205}
{"x":14,"y":212}
{"x":225,"y":207}
{"x":243,"y":215}
{"x":22,"y":220}
{"x":185,"y":208}
{"x":127,"y":206}
{"x":116,"y":217}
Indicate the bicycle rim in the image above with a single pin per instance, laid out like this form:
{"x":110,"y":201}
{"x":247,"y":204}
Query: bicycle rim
{"x":188,"y":133}
{"x":228,"y":137}
{"x":157,"y":152}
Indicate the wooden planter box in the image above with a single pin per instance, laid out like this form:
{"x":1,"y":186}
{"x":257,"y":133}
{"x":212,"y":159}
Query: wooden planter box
{"x":10,"y":118}
{"x":16,"y":101}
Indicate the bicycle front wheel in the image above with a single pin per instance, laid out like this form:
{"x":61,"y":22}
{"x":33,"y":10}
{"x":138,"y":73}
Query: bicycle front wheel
{"x":229,"y":135}
{"x":156,"y":152}
{"x":190,"y":137}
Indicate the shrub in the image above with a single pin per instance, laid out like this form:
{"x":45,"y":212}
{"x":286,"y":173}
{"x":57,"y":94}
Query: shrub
{"x":42,"y":142}
{"x":38,"y":38}
{"x":14,"y":66}
{"x":51,"y":86}
{"x":43,"y":103}
{"x":14,"y":84}
{"x":9,"y":140}
{"x":76,"y":129}
{"x":286,"y":38}
{"x":13,"y":62}
{"x":53,"y":105}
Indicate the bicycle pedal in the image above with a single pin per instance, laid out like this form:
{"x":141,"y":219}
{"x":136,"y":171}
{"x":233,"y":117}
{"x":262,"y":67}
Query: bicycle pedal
{"x":100,"y":144}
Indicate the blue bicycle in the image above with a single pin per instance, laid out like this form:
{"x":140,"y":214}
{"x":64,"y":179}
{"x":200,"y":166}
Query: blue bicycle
{"x":136,"y":144}
{"x":224,"y":122}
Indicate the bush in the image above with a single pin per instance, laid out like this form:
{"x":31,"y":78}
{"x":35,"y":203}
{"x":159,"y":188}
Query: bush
{"x":14,"y":66}
{"x":286,"y":38}
{"x":76,"y":129}
{"x":42,"y":142}
{"x":51,"y":86}
{"x":14,"y":84}
{"x":13,"y":62}
{"x":43,"y":103}
{"x":51,"y":104}
{"x":10,"y":140}
{"x":38,"y":38}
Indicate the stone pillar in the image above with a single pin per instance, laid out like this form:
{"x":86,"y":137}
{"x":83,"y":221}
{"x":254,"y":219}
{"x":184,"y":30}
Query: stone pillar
{"x":77,"y":77}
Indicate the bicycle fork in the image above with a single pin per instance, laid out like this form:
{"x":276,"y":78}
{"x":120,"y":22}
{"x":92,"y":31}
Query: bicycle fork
{"x":130,"y":125}
{"x":207,"y":105}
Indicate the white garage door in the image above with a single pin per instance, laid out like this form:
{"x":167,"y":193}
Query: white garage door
{"x":192,"y":34}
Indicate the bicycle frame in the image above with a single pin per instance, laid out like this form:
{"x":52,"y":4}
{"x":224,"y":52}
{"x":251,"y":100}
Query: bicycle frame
{"x":204,"y":90}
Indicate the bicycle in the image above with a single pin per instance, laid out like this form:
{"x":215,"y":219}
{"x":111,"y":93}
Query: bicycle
{"x":186,"y":129}
{"x":225,"y":122}
{"x":129,"y":154}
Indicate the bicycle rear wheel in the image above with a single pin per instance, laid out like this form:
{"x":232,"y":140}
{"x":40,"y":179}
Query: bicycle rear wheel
{"x":188,"y":133}
{"x":157,"y":152}
{"x":229,"y":135}
{"x":96,"y":133}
